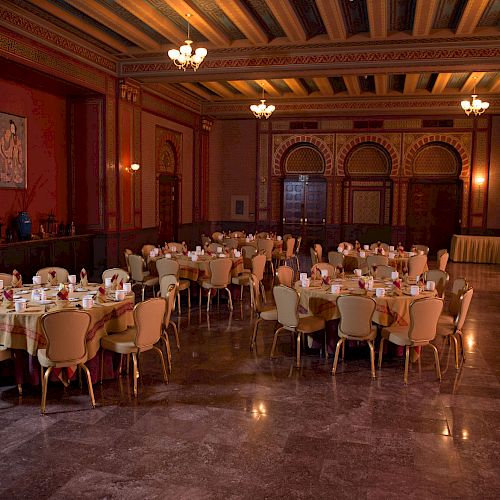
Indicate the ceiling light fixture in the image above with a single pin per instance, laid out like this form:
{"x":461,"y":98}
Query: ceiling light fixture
{"x":475,"y":105}
{"x":262,"y":110}
{"x":184,"y":57}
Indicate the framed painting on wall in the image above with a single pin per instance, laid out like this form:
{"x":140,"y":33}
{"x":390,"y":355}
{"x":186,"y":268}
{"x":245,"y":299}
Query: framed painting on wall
{"x":239,"y":207}
{"x":12,"y":151}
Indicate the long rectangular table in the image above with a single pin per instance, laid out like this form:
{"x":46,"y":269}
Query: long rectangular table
{"x":479,"y":249}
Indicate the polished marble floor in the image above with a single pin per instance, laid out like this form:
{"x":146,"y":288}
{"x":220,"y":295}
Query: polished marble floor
{"x":233,"y":424}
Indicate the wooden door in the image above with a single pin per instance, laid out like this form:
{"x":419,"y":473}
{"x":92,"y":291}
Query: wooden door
{"x":167,"y":207}
{"x":433,"y":213}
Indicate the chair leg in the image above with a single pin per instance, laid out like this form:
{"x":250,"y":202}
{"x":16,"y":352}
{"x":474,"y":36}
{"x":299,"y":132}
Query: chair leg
{"x":200,"y":293}
{"x":136,"y":373}
{"x":263,"y":292}
{"x":380,"y":352}
{"x":254,"y":335}
{"x":343,"y":350}
{"x":461,"y":343}
{"x":179,"y":312}
{"x":165,"y":376}
{"x":407,"y":360}
{"x":169,"y":353}
{"x":89,"y":383}
{"x":436,"y":361}
{"x":189,"y":298}
{"x":241,"y":293}
{"x":275,"y":340}
{"x":102,"y":365}
{"x":176,"y":334}
{"x":230,"y":298}
{"x":299,"y":334}
{"x":45,"y":384}
{"x":142,"y":292}
{"x":336,"y":358}
{"x":456,"y":350}
{"x":372,"y":357}
{"x":128,"y":364}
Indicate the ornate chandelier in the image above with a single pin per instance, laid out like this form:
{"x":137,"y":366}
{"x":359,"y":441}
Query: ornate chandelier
{"x":475,"y":105}
{"x":184,"y":57}
{"x":262,"y":110}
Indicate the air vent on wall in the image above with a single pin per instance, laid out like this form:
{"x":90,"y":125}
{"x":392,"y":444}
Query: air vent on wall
{"x":303,"y":125}
{"x":437,"y":123}
{"x":368,"y":124}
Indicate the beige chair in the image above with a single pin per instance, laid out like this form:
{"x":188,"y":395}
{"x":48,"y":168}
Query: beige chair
{"x":166,"y":266}
{"x":6,"y":354}
{"x":346,"y":245}
{"x":424,"y":316}
{"x":262,"y":235}
{"x":242,"y":280}
{"x":322,"y":266}
{"x":217,"y":237}
{"x":373,"y":261}
{"x":383,"y":272}
{"x":148,"y":320}
{"x":284,"y":275}
{"x":66,"y":345}
{"x":258,"y":267}
{"x":297,"y":253}
{"x":458,"y":288}
{"x":139,"y":276}
{"x":179,"y":247}
{"x":6,"y":278}
{"x":168,"y":291}
{"x":336,"y":259}
{"x":319,"y":251}
{"x":248,"y":251}
{"x":440,"y":278}
{"x":214,"y":247}
{"x":356,"y":315}
{"x":288,"y":251}
{"x":126,"y":254}
{"x":231,"y":243}
{"x":443,"y":261}
{"x":205,"y":240}
{"x":379,"y":244}
{"x":441,"y":252}
{"x":220,"y":278}
{"x":422,"y":248}
{"x":447,"y":327}
{"x":287,"y":301}
{"x":267,"y":246}
{"x":61,"y":273}
{"x":237,"y":234}
{"x":417,"y":265}
{"x":314,"y":256}
{"x":146,"y":250}
{"x":118,"y":271}
{"x":264,"y":313}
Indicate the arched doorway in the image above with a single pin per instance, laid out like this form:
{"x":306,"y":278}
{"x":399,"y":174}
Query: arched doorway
{"x":304,"y":193}
{"x":435,"y":196}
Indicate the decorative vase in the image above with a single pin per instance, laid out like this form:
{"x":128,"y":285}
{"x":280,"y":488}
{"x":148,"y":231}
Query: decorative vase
{"x":23,"y":226}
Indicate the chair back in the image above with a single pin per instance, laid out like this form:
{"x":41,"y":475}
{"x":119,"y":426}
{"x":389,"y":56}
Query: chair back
{"x":374,"y":246}
{"x":205,"y":240}
{"x":267,"y":246}
{"x":443,"y":261}
{"x":126,"y":253}
{"x":422,"y":248}
{"x":248,"y":251}
{"x":122,"y":274}
{"x":168,"y":290}
{"x":6,"y":278}
{"x":287,"y":301}
{"x":166,"y":281}
{"x":346,"y":245}
{"x":65,"y":333}
{"x":285,"y":239}
{"x":465,"y":301}
{"x":231,"y":243}
{"x":255,"y":292}
{"x":262,"y":235}
{"x":217,"y":236}
{"x":136,"y":267}
{"x":314,"y":256}
{"x":258,"y":266}
{"x":289,"y":247}
{"x":61,"y":273}
{"x":440,"y":278}
{"x":285,"y":276}
{"x":317,"y":268}
{"x":148,"y":318}
{"x":220,"y":269}
{"x":424,"y":316}
{"x":376,"y":260}
{"x":459,"y":287}
{"x":179,"y":247}
{"x":383,"y":272}
{"x":441,"y":252}
{"x":336,"y":259}
{"x":416,"y":265}
{"x":237,"y":234}
{"x":146,"y":249}
{"x":356,"y":314}
{"x":319,"y":251}
{"x":297,"y":248}
{"x":166,"y":266}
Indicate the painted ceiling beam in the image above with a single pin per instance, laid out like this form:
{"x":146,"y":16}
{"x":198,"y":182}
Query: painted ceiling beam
{"x":470,"y":17}
{"x":473,"y":79}
{"x":244,"y":87}
{"x":202,"y":24}
{"x":441,"y":82}
{"x":381,"y":84}
{"x":144,"y":11}
{"x":324,"y":86}
{"x":495,"y":84}
{"x":296,"y":86}
{"x":411,"y":81}
{"x":287,"y":18}
{"x":219,"y":89}
{"x":425,"y":12}
{"x":197,"y":90}
{"x":331,"y":14}
{"x":269,"y":88}
{"x":377,"y":17}
{"x":243,"y":19}
{"x":352,"y":84}
{"x":103,"y":15}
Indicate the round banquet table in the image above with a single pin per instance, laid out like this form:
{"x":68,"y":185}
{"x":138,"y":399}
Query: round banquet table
{"x":354,"y":261}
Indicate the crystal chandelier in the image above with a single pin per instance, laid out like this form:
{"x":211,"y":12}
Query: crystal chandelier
{"x":261,"y":110}
{"x":475,"y":105}
{"x":184,"y":57}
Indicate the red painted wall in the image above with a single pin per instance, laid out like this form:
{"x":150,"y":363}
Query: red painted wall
{"x":46,"y":152}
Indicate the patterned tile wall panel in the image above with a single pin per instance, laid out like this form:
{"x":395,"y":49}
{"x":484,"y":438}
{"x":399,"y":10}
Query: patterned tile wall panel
{"x":336,"y":124}
{"x":337,"y":196}
{"x":281,"y":125}
{"x":263,"y":171}
{"x":111,"y":165}
{"x":463,"y":123}
{"x":399,"y":124}
{"x":480,"y":170}
{"x":366,"y":207}
{"x":276,"y":200}
{"x":404,"y":203}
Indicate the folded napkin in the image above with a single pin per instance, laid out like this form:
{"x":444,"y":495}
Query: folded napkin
{"x":119,"y":285}
{"x":83,"y":278}
{"x":114,"y":282}
{"x":326,"y":280}
{"x":101,"y":295}
{"x":397,"y":284}
{"x":52,"y":278}
{"x":62,"y":298}
{"x":361,"y":284}
{"x":17,"y":279}
{"x":8,"y":299}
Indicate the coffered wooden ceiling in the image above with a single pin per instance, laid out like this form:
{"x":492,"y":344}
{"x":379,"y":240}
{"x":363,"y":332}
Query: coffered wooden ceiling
{"x":311,"y":56}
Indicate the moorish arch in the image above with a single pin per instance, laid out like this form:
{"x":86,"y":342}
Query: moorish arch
{"x":356,"y":141}
{"x":284,"y":148}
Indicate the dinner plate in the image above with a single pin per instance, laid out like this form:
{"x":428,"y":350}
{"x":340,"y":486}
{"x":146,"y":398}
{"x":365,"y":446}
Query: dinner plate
{"x":73,"y":299}
{"x":80,"y":289}
{"x":45,"y":302}
{"x":22,"y":292}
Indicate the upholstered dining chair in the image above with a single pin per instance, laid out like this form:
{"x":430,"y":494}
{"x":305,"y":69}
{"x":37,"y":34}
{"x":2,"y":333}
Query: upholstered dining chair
{"x":384,"y":272}
{"x":243,"y":280}
{"x":452,"y":328}
{"x":126,"y":254}
{"x":168,"y":290}
{"x":214,"y":247}
{"x":121,"y":273}
{"x":262,"y":235}
{"x":440,"y":278}
{"x":146,"y":249}
{"x":417,"y":265}
{"x":258,"y":267}
{"x":220,"y":270}
{"x":314,"y":256}
{"x":139,"y":276}
{"x":247,"y":252}
{"x":6,"y":278}
{"x":336,"y":259}
{"x":264,"y":313}
{"x":374,"y":246}
{"x":373,"y":261}
{"x":288,"y":251}
{"x":148,"y":320}
{"x":65,"y":336}
{"x":441,"y":252}
{"x":346,"y":245}
{"x":205,"y":240}
{"x":322,"y":266}
{"x":424,"y":316}
{"x":231,"y":243}
{"x":217,"y":236}
{"x":458,"y":288}
{"x":175,"y":246}
{"x":166,"y":266}
{"x":356,"y":313}
{"x":284,"y":275}
{"x":287,"y":301}
{"x":61,"y":273}
{"x":267,"y":246}
{"x":443,"y":261}
{"x":422,"y":248}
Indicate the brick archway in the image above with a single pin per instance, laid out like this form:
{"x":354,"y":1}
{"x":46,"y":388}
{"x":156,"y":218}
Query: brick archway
{"x":355,"y":141}
{"x":416,"y":146}
{"x":286,"y":145}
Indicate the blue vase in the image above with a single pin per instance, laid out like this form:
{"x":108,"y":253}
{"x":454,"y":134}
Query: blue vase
{"x":23,"y":226}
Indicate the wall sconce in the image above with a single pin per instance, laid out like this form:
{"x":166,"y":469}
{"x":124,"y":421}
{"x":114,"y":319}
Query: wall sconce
{"x":134,"y":167}
{"x":128,"y":92}
{"x":480,"y":180}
